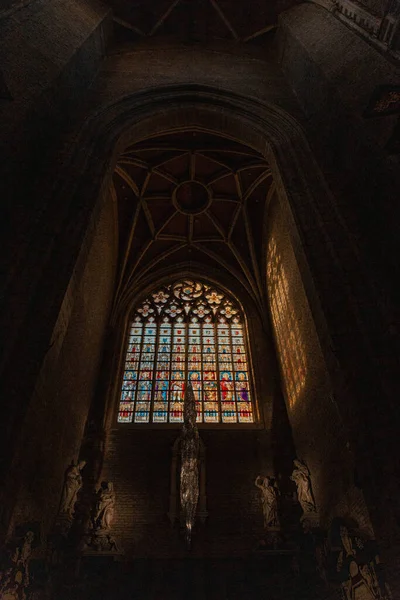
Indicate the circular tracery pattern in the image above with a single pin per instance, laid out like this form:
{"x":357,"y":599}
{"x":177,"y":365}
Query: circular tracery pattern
{"x":188,"y":290}
{"x":187,"y":331}
{"x":191,"y":197}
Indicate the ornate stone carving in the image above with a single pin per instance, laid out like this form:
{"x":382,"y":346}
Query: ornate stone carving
{"x":269,"y":499}
{"x":99,"y":539}
{"x":301,"y":477}
{"x":189,"y":476}
{"x":14,"y":579}
{"x":105,"y":507}
{"x":358,"y":566}
{"x":72,"y":484}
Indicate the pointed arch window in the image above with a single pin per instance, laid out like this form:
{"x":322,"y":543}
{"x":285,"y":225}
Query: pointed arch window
{"x":187,"y":331}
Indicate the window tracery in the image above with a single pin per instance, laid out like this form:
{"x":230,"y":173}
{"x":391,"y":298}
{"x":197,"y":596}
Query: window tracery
{"x":186,"y":330}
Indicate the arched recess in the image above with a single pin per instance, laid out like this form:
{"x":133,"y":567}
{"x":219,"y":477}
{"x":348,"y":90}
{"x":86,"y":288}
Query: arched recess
{"x":269,"y":130}
{"x":89,"y":163}
{"x":261,"y":352}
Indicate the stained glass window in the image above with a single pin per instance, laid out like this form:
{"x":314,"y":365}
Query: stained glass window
{"x":187,"y":331}
{"x":288,"y":335}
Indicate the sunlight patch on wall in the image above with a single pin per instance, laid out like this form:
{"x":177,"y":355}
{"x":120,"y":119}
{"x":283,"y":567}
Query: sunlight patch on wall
{"x":292,"y":356}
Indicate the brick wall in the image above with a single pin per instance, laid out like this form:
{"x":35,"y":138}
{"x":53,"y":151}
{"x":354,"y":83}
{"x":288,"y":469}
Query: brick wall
{"x":319,"y":434}
{"x":53,"y":428}
{"x":138,"y":462}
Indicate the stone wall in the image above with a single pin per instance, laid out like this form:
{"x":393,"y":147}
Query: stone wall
{"x":53,"y":428}
{"x":320,"y":436}
{"x":334,"y":89}
{"x":138,"y":461}
{"x":334,"y":72}
{"x":49,"y":55}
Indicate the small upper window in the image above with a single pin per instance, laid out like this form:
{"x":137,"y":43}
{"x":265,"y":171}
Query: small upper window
{"x":187,"y":331}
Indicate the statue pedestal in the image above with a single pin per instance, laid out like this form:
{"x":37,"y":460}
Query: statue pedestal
{"x":99,"y":542}
{"x":273,"y":538}
{"x":202,"y":516}
{"x":310,"y":520}
{"x":62,"y":524}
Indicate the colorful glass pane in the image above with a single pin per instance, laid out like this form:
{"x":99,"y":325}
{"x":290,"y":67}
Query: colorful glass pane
{"x":142,"y":412}
{"x":160,"y":415}
{"x":176,"y":412}
{"x":245,"y":413}
{"x":129,"y":385}
{"x":125,"y":414}
{"x":127,"y":397}
{"x":229,"y":412}
{"x":211,"y":412}
{"x":187,"y":330}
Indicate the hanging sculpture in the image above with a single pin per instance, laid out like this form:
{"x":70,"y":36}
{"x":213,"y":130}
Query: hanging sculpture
{"x":189,"y":483}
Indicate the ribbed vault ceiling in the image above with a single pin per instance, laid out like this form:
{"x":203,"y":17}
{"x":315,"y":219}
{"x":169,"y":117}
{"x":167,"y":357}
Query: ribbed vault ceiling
{"x":166,"y":219}
{"x":239,"y":20}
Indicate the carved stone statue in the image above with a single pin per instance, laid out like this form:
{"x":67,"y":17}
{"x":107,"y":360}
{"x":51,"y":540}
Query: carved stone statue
{"x":15,"y":579}
{"x":301,"y":477}
{"x":72,"y":484}
{"x":269,"y":499}
{"x":105,"y":506}
{"x":358,"y":565}
{"x":26,"y":549}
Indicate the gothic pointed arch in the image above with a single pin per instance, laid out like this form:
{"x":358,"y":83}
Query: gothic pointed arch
{"x":187,"y":330}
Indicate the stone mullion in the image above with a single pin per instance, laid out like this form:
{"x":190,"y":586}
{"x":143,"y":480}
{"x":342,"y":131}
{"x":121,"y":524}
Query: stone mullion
{"x":217,"y":369}
{"x":251,"y":387}
{"x":233,"y":371}
{"x":171,"y":350}
{"x":201,"y":372}
{"x":138,"y":368}
{"x":154,"y":378}
{"x":186,"y":326}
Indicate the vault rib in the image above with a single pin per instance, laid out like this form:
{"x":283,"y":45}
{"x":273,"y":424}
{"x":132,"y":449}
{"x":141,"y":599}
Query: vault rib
{"x":214,"y":160}
{"x":129,"y":26}
{"x":136,"y":162}
{"x":128,"y":179}
{"x":216,"y":225}
{"x":234,"y":219}
{"x":244,"y":268}
{"x":163,"y":226}
{"x":192,"y":174}
{"x":221,"y":261}
{"x":164,"y":17}
{"x":225,"y":20}
{"x":250,"y":242}
{"x":256,"y":183}
{"x":160,"y":258}
{"x":218,"y":177}
{"x":139,"y":258}
{"x":256,"y":34}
